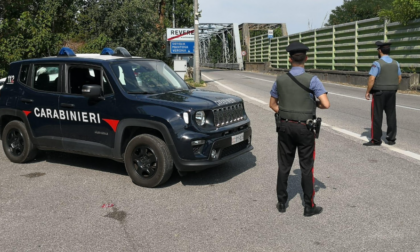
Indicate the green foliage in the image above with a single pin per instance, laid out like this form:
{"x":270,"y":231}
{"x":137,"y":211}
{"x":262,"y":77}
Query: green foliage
{"x":38,"y":28}
{"x":354,"y":10}
{"x":215,"y":50}
{"x":183,"y":13}
{"x":190,"y":81}
{"x":276,"y":32}
{"x":402,"y":11}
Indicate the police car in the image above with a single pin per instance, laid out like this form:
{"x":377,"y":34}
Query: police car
{"x":129,"y":109}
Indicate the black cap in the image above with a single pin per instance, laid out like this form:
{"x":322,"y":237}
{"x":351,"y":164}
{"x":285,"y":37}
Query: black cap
{"x":297,"y":47}
{"x":379,"y":44}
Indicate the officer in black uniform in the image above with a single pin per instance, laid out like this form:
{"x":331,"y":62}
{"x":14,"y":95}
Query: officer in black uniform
{"x":294,"y":104}
{"x":385,"y":77}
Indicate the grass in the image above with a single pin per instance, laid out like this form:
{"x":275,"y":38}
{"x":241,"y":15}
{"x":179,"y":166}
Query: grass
{"x":191,"y":82}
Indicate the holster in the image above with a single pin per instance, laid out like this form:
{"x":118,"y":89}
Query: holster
{"x":317,"y":127}
{"x":278,"y":121}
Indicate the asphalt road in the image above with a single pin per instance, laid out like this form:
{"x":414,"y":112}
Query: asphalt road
{"x":64,"y":202}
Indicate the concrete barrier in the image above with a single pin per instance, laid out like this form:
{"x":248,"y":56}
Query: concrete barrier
{"x":410,"y":81}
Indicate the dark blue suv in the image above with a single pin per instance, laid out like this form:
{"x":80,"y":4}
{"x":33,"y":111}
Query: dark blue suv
{"x":129,"y":109}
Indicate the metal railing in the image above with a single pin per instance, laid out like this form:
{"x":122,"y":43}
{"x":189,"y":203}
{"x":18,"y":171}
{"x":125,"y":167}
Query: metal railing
{"x":349,"y":46}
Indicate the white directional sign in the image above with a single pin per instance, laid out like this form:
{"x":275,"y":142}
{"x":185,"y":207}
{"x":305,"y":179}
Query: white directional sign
{"x":270,"y":33}
{"x":180,"y":34}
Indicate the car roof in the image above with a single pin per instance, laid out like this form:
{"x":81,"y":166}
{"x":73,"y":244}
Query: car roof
{"x":84,"y":58}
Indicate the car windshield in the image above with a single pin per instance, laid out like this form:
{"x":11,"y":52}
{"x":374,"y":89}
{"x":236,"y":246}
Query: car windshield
{"x":147,"y":77}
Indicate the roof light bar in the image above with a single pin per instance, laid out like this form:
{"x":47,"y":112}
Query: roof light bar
{"x":107,"y":51}
{"x":65,"y":51}
{"x":122,"y":52}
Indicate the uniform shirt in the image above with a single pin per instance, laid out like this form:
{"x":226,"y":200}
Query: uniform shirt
{"x":375,"y":70}
{"x":316,"y":85}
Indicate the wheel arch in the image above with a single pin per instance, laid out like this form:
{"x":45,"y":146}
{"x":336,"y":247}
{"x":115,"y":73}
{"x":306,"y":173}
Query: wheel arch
{"x":129,"y":128}
{"x":8,"y":115}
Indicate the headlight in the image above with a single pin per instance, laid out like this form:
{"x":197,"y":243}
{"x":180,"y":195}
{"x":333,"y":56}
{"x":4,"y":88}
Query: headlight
{"x":200,"y":118}
{"x":186,"y":117}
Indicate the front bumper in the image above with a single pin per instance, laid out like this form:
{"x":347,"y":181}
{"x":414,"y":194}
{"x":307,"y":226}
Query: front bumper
{"x":225,"y":152}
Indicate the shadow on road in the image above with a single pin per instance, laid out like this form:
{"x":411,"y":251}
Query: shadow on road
{"x":87,"y":162}
{"x":294,"y":186}
{"x":368,"y":133}
{"x":215,"y":175}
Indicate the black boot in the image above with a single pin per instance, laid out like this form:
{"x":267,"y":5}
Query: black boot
{"x":372,"y":143}
{"x":281,"y":207}
{"x":309,"y":211}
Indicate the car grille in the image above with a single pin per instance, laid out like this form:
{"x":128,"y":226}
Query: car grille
{"x":228,"y":115}
{"x":233,"y":149}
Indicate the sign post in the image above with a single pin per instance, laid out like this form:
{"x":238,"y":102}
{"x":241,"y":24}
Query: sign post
{"x":196,"y":73}
{"x":182,"y":47}
{"x":270,"y":34}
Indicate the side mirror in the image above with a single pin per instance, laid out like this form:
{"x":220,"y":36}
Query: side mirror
{"x":92,"y":91}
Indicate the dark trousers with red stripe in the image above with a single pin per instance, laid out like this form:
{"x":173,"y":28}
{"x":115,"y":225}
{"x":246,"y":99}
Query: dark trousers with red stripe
{"x":292,"y":136}
{"x":384,"y":101}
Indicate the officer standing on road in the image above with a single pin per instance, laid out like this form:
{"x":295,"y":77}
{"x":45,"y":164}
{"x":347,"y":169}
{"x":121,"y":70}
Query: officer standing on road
{"x":293,"y":101}
{"x":385,"y":77}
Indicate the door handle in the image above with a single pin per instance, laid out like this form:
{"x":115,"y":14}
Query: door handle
{"x":67,"y":105}
{"x":27,"y":100}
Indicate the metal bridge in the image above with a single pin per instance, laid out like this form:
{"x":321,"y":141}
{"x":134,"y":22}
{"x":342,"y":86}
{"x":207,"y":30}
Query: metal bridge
{"x":229,"y":36}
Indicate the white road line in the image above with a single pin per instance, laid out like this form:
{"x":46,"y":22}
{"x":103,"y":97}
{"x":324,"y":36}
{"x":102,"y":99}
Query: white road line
{"x":348,"y":96}
{"x":231,"y":89}
{"x":358,"y":98}
{"x":256,"y":78}
{"x":365,"y":139}
{"x":327,"y":83}
{"x":340,"y":130}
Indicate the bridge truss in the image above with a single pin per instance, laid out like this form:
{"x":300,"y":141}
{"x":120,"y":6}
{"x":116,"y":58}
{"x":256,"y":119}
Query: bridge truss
{"x":229,"y":36}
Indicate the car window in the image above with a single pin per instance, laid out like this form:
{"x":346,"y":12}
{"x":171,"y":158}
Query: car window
{"x":147,"y":77}
{"x":23,"y":75}
{"x":47,"y":77}
{"x":106,"y":86}
{"x":79,"y":76}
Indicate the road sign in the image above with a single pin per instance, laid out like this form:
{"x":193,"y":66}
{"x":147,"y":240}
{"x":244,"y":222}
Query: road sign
{"x":270,"y":33}
{"x":243,"y":53}
{"x":180,"y":34}
{"x":182,"y":47}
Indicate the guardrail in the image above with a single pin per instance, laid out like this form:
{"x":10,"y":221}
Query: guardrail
{"x":233,"y":66}
{"x":349,"y":46}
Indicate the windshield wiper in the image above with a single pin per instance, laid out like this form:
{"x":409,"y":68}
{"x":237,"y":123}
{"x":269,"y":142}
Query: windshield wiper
{"x":140,"y":93}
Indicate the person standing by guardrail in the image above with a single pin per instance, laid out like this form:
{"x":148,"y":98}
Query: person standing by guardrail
{"x":384,"y":80}
{"x":293,"y":99}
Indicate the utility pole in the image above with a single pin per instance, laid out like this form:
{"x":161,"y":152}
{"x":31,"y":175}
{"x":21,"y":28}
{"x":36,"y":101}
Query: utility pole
{"x":196,"y":73}
{"x":173,"y":13}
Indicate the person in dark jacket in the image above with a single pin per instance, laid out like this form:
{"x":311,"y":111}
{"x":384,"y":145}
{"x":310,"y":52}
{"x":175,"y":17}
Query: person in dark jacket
{"x":294,"y":105}
{"x":384,"y":80}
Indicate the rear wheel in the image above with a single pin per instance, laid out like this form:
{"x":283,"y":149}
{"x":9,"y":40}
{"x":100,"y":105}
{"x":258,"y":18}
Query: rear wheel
{"x":148,"y":161}
{"x":17,"y":145}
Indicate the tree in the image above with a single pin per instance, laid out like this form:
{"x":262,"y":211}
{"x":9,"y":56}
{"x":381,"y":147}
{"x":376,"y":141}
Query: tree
{"x":38,"y":28}
{"x":33,"y":28}
{"x":184,"y":13}
{"x":402,"y":11}
{"x":354,"y":10}
{"x":215,"y":50}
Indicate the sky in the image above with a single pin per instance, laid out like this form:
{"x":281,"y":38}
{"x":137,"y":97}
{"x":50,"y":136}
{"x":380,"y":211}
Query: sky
{"x":295,"y":13}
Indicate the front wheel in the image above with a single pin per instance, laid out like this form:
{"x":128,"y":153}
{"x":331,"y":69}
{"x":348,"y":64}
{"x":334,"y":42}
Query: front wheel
{"x":17,"y":145}
{"x":148,"y":161}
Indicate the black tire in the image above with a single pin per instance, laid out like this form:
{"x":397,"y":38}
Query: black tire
{"x":17,"y":145}
{"x":148,"y":161}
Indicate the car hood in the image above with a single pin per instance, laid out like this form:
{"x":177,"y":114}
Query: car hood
{"x":195,"y":99}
